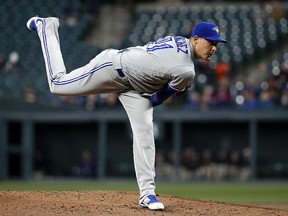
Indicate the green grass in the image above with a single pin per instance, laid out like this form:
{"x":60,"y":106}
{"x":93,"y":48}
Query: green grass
{"x":68,"y":185}
{"x":242,"y":193}
{"x":231,"y":193}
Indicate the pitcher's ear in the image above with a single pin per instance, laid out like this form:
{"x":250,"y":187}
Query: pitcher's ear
{"x":195,"y":38}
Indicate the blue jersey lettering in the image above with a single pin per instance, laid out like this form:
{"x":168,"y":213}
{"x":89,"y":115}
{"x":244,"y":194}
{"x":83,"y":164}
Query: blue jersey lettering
{"x":160,"y":44}
{"x":181,"y":44}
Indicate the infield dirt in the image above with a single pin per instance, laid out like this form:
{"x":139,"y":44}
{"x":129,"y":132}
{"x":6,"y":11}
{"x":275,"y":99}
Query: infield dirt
{"x":86,"y":203}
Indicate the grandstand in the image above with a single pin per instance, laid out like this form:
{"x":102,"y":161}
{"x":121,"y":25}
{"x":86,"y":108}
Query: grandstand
{"x":255,"y":33}
{"x":15,"y":37}
{"x":248,"y":73}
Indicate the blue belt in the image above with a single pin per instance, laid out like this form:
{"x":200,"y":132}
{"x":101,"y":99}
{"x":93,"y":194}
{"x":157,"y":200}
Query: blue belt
{"x":120,"y":72}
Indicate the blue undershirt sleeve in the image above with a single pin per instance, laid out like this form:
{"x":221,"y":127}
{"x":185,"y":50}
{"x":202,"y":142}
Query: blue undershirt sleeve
{"x":160,"y":96}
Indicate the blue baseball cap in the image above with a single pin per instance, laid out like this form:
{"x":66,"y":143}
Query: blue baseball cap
{"x":209,"y":31}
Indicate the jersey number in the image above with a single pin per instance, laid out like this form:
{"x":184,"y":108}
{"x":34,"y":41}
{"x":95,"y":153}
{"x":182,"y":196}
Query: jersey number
{"x":160,"y":44}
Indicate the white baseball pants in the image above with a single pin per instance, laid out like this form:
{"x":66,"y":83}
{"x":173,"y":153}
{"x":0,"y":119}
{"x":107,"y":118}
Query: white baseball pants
{"x":99,"y":76}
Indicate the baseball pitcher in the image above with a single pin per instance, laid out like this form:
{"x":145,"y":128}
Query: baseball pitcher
{"x":141,"y":76}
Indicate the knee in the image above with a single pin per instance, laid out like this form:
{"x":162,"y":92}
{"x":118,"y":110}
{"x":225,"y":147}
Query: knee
{"x":143,"y":129}
{"x":55,"y":90}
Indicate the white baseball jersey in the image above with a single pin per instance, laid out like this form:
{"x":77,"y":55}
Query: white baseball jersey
{"x":168,"y":60}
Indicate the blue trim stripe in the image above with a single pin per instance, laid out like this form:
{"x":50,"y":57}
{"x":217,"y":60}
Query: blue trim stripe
{"x":46,"y":47}
{"x":72,"y":80}
{"x":82,"y":76}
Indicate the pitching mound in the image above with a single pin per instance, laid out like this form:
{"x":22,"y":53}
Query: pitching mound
{"x":86,"y":203}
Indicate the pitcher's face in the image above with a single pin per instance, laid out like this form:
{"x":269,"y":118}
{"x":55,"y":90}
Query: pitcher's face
{"x":204,"y":48}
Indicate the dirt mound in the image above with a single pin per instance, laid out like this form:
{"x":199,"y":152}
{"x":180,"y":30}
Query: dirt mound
{"x":80,"y":203}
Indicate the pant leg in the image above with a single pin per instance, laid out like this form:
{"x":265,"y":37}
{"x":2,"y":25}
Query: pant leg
{"x":140,"y":113}
{"x":98,"y":76}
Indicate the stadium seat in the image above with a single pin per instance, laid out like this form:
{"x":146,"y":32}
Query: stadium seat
{"x":15,"y":37}
{"x":251,"y":33}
